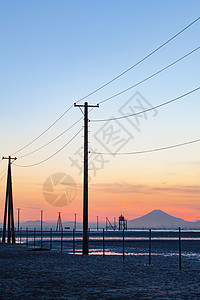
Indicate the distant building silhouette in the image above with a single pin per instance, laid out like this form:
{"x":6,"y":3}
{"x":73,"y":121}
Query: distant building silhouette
{"x":122,"y":223}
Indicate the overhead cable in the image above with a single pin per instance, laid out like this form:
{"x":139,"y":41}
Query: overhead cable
{"x":40,"y":162}
{"x":3,"y":177}
{"x":109,"y":82}
{"x":147,"y":151}
{"x":140,"y":61}
{"x":146,"y":110}
{"x":147,"y":78}
{"x":52,"y":139}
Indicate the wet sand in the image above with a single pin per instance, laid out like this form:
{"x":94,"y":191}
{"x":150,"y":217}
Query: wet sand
{"x":29,"y":274}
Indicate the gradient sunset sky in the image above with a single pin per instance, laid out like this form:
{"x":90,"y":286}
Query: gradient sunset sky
{"x":55,"y":52}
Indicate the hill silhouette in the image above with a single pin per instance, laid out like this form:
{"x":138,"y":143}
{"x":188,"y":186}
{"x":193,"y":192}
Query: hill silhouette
{"x":160,"y":219}
{"x":47,"y":225}
{"x":154,"y":219}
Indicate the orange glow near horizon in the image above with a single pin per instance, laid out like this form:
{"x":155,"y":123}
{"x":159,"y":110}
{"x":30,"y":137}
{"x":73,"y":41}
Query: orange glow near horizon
{"x":135,"y":195}
{"x":110,"y":200}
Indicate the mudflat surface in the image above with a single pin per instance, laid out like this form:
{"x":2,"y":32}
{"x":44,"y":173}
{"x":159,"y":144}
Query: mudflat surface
{"x":26,"y":274}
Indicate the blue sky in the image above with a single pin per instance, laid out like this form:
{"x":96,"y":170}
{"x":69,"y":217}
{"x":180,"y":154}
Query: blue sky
{"x":54,"y":52}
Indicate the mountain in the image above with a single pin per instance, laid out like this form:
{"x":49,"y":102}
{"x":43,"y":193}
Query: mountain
{"x":160,"y":219}
{"x":155,"y":219}
{"x":35,"y":224}
{"x":46,"y":226}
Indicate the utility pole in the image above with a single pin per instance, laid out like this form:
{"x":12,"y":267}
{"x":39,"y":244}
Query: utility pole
{"x":41,"y":221}
{"x":74,"y":222}
{"x":9,"y":206}
{"x":85,"y":179}
{"x":59,"y":226}
{"x":97,"y":223}
{"x":18,"y":210}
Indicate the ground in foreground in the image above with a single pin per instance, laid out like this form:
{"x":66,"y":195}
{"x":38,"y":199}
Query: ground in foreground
{"x":29,"y":274}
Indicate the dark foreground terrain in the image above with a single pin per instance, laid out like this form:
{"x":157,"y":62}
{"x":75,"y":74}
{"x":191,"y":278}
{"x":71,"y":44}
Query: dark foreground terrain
{"x":29,"y":274}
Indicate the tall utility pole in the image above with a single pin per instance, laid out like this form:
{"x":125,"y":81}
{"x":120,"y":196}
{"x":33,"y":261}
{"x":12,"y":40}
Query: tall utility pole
{"x":74,"y":222}
{"x":115,"y":223}
{"x":97,"y":223}
{"x":41,"y":221}
{"x":18,"y":210}
{"x":9,"y":206}
{"x":85,"y":179}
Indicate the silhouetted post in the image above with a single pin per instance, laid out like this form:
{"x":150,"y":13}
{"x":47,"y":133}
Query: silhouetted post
{"x":149,"y":247}
{"x":88,"y":238}
{"x":59,"y":226}
{"x":115,"y":223}
{"x":103,"y":244}
{"x":75,"y":222}
{"x":179,"y":248}
{"x":73,"y":241}
{"x":50,"y":238}
{"x":61,"y":240}
{"x":85,"y":180}
{"x":97,"y":223}
{"x":9,"y":207}
{"x":27,"y":236}
{"x":123,"y":247}
{"x":34,"y":237}
{"x":41,"y":226}
{"x":18,"y":210}
{"x":20,"y":236}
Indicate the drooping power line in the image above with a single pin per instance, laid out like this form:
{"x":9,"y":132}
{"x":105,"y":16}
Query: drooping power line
{"x":146,"y":110}
{"x":3,"y":176}
{"x":149,"y":77}
{"x":51,"y":140}
{"x":147,"y":151}
{"x":109,"y":82}
{"x":3,"y":171}
{"x":140,"y":61}
{"x":40,"y":162}
{"x":43,"y":132}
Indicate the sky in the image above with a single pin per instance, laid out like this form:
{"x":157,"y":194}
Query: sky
{"x":54,"y":53}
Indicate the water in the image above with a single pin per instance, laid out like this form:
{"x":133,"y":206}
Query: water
{"x":136,"y":242}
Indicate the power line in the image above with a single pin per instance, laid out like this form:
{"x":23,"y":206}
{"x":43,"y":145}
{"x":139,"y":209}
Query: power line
{"x":3,"y":177}
{"x":38,"y":163}
{"x":148,"y":151}
{"x":140,"y":61}
{"x":149,"y":109}
{"x":35,"y":139}
{"x":3,"y":171}
{"x":109,"y":82}
{"x":149,"y":77}
{"x":51,"y":140}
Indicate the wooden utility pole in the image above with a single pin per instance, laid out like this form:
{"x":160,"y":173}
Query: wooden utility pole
{"x":85,"y":179}
{"x":179,"y":248}
{"x":74,"y":222}
{"x":18,"y":210}
{"x":9,"y":206}
{"x":41,"y":223}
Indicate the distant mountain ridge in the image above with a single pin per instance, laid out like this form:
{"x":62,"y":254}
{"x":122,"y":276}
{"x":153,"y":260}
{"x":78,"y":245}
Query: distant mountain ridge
{"x":47,"y":225}
{"x":157,"y":219}
{"x":160,"y":219}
